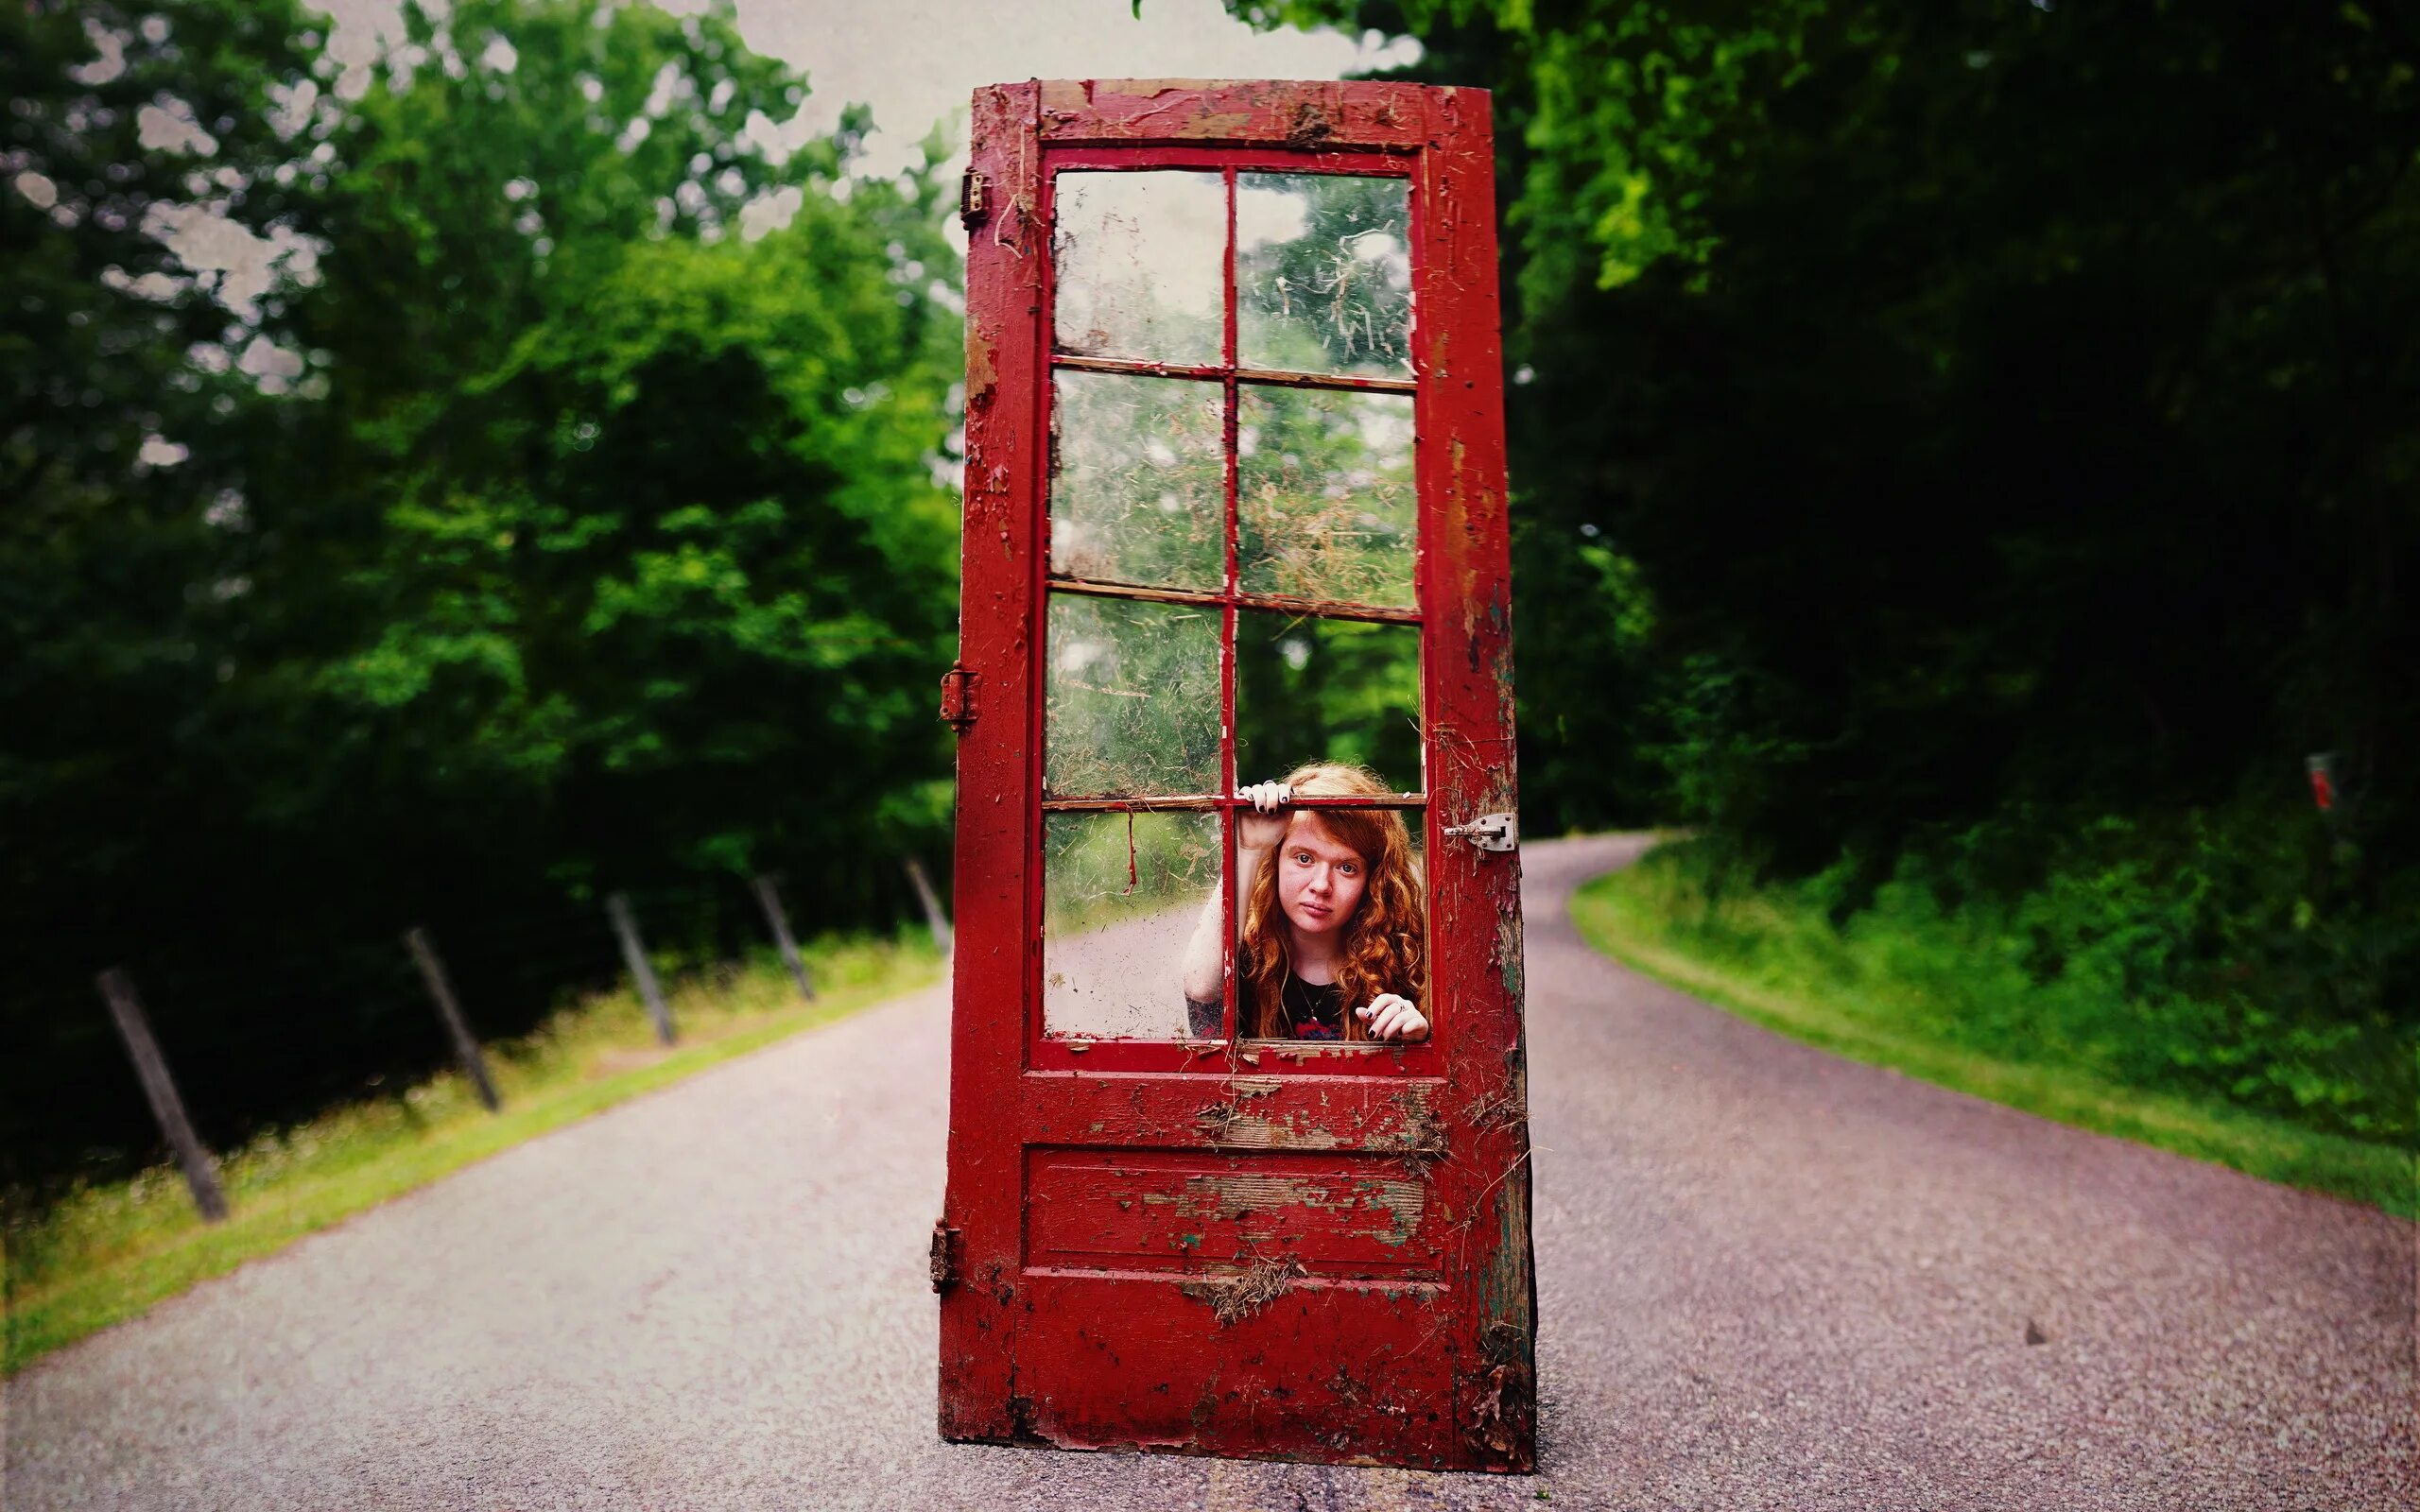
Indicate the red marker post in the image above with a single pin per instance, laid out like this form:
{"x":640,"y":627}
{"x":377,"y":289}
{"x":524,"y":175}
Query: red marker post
{"x":2322,"y":767}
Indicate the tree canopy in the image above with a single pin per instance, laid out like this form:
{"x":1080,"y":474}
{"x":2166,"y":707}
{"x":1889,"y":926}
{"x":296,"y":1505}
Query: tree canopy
{"x":1978,"y":439}
{"x":560,"y":505}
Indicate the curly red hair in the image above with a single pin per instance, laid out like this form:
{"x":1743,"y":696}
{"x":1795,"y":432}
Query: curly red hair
{"x":1385,"y":944}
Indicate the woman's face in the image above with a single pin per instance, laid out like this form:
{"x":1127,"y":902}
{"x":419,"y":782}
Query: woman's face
{"x":1320,"y":878}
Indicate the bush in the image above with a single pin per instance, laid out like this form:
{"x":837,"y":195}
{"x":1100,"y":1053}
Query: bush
{"x":2227,"y":954}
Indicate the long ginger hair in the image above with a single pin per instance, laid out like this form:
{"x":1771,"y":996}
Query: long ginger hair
{"x":1385,"y":944}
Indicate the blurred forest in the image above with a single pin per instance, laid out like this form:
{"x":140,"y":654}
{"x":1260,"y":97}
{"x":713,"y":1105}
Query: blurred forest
{"x":1964,"y":456}
{"x":468,"y":517}
{"x":1966,"y":461}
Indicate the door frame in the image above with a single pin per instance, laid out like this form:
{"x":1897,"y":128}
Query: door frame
{"x":1443,"y":135}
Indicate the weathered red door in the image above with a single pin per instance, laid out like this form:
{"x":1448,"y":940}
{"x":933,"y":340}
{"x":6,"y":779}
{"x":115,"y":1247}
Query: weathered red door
{"x":1235,"y":502}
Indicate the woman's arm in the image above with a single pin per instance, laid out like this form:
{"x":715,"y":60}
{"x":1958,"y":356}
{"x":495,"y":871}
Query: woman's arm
{"x":1256,"y":835}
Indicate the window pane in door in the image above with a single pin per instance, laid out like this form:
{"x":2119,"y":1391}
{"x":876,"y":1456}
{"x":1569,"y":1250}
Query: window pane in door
{"x":1392,"y":899}
{"x":1137,"y":263}
{"x":1322,"y":690}
{"x":1139,"y":486}
{"x":1323,"y":273}
{"x":1123,"y":895}
{"x":1324,"y":494}
{"x":1131,"y":701}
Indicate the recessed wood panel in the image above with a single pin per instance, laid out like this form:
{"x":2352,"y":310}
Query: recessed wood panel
{"x":1333,"y":1216}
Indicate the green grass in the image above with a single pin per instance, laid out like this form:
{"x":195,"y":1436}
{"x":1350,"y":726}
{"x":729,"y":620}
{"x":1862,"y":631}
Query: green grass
{"x":104,"y":1253}
{"x":1888,"y":999}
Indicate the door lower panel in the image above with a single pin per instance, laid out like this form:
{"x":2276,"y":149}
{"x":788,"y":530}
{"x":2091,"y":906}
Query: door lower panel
{"x":1289,"y":1367}
{"x":1347,"y":1217}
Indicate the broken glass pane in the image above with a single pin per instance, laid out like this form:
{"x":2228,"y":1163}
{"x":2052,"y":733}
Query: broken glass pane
{"x":1132,"y":703}
{"x":1122,"y":896}
{"x":1138,"y":494}
{"x":1323,"y":273}
{"x":1324,"y":495}
{"x":1321,"y":690}
{"x":1137,"y":261}
{"x":1365,"y":832}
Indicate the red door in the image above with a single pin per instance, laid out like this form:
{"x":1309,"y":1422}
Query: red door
{"x":1236,"y":507}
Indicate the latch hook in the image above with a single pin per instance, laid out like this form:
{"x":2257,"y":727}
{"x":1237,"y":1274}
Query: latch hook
{"x":1489,"y":832}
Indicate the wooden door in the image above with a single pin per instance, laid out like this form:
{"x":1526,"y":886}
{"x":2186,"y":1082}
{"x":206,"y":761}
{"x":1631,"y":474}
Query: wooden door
{"x":1235,"y":500}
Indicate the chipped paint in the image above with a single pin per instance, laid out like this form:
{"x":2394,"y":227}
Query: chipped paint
{"x":1232,"y":1299}
{"x":1229,"y":1126}
{"x":982,"y":373}
{"x":1299,"y":1252}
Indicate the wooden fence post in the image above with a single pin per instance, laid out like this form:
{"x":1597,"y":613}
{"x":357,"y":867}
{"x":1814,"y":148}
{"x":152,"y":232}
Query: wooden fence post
{"x":769,"y":898}
{"x":634,"y":956}
{"x":201,"y":1173}
{"x":466,"y":1049}
{"x":934,"y":918}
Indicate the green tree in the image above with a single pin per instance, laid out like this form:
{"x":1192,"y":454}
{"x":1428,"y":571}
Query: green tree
{"x":1997,"y":422}
{"x":571,"y":511}
{"x":653,"y":503}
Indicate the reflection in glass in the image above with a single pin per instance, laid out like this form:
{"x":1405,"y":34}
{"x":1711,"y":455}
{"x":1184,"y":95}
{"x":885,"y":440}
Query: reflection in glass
{"x":1324,"y":494}
{"x":1323,"y":273}
{"x":1136,"y":257}
{"x":1132,"y":699}
{"x":1138,"y":491}
{"x":1121,"y":893}
{"x":1321,"y":690}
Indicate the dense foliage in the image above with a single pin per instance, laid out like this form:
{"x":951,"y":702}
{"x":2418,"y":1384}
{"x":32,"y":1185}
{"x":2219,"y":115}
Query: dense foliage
{"x":1965,"y":459}
{"x":530,"y":528}
{"x":1976,"y":445}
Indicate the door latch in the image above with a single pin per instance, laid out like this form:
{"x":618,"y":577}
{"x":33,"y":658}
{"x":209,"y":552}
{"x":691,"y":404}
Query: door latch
{"x":958,"y":697}
{"x":973,"y":197}
{"x":944,"y":1258}
{"x":1489,"y":832}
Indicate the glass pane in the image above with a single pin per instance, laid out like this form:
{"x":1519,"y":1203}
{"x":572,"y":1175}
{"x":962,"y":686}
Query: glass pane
{"x":1132,"y":706}
{"x":1373,"y":917}
{"x":1323,"y":273}
{"x":1316,"y":689}
{"x":1324,"y":495}
{"x":1138,"y":494}
{"x":1137,"y":261}
{"x":1122,"y":896}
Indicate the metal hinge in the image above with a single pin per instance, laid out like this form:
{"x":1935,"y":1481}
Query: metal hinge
{"x":973,"y":197}
{"x":958,"y":697}
{"x":944,"y":1261}
{"x":1489,"y":832}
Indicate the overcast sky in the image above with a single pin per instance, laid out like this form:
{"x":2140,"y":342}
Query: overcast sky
{"x":913,"y":61}
{"x":916,"y":61}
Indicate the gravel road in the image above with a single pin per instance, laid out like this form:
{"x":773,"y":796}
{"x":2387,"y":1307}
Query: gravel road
{"x":1769,"y":1279}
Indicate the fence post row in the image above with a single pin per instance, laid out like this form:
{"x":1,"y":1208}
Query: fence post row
{"x":466,"y":1049}
{"x":934,"y":919}
{"x":769,"y":898}
{"x":634,"y":956}
{"x":201,"y":1171}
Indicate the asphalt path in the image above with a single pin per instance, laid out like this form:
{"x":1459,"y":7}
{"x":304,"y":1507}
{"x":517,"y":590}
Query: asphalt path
{"x":1768,"y":1279}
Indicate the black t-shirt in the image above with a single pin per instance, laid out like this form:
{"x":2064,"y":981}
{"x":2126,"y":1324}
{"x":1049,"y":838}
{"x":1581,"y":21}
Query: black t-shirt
{"x":1312,"y":1010}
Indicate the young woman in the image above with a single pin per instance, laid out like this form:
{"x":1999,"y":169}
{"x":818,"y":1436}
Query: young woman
{"x":1329,"y":912}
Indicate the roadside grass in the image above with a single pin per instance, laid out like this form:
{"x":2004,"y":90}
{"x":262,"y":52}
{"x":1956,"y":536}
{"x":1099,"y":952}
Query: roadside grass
{"x":105,"y":1253}
{"x":1884,"y":999}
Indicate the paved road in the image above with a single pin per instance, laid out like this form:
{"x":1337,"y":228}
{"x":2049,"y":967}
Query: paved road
{"x":1769,"y":1279}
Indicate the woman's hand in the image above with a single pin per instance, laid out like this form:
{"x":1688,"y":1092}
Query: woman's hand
{"x":1391,"y":1016}
{"x":1266,"y":825}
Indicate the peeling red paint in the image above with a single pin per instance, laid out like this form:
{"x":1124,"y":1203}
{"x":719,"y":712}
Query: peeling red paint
{"x":1257,"y":1248}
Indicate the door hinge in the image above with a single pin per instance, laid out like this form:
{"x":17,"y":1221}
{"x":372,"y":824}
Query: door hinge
{"x":958,"y":697}
{"x":973,"y":197}
{"x":944,"y":1259}
{"x":1489,"y":832}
